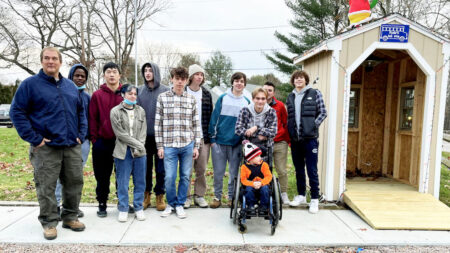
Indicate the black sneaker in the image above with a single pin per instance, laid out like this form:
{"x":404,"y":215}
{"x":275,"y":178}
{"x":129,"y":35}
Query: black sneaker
{"x":251,"y":211}
{"x":262,"y":211}
{"x":130,"y":209}
{"x":102,"y":210}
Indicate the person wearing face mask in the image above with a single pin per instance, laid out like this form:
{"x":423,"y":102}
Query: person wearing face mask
{"x":78,"y":74}
{"x":257,"y":123}
{"x":130,"y":127}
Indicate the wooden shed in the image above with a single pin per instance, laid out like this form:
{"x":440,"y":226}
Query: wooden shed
{"x":384,"y":85}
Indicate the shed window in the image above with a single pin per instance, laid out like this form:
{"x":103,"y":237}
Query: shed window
{"x":406,"y":108}
{"x":353,"y":116}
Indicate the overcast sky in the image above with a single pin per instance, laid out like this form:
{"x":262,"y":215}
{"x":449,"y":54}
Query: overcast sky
{"x":223,"y":14}
{"x":215,"y":15}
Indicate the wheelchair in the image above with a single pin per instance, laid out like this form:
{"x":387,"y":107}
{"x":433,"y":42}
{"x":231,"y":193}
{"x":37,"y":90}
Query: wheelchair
{"x":239,"y":213}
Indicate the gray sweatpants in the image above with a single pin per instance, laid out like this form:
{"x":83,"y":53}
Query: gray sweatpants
{"x":221,"y":154}
{"x":51,"y":163}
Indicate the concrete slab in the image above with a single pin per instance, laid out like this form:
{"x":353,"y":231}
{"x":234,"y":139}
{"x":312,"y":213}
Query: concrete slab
{"x":11,"y":214}
{"x":371,"y":236}
{"x":202,"y":226}
{"x":301,"y":227}
{"x":98,"y":230}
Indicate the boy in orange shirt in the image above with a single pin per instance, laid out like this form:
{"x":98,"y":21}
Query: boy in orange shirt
{"x":256,"y":177}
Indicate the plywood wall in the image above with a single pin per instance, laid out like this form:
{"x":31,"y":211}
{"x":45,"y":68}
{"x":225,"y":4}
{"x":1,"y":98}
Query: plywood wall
{"x":372,"y":120}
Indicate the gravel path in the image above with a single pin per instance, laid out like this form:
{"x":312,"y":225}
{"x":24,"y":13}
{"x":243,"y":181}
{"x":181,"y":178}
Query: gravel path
{"x":73,"y":248}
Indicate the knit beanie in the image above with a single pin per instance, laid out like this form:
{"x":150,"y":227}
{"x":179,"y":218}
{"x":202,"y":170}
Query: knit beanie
{"x":195,"y":68}
{"x":251,"y":150}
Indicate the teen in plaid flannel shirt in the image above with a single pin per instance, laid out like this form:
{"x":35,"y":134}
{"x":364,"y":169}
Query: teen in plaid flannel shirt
{"x":177,"y":135}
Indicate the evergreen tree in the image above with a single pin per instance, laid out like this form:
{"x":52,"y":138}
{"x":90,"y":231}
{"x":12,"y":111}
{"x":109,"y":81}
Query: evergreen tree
{"x":314,"y":20}
{"x":218,"y":69}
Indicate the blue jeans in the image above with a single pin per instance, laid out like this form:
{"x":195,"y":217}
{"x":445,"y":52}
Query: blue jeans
{"x":250,"y":196}
{"x":124,"y":169}
{"x":85,"y":147}
{"x":171,"y":158}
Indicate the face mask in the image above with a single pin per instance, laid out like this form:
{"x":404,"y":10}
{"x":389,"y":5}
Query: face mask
{"x":81,"y":87}
{"x":128,"y":102}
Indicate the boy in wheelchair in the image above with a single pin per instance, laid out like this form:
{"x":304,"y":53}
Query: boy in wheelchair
{"x":256,"y":177}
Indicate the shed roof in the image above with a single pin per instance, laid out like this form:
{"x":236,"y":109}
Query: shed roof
{"x":335,"y":42}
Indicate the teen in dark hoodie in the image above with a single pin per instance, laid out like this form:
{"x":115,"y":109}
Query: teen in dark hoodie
{"x":147,"y":98}
{"x":101,"y":132}
{"x":78,"y":74}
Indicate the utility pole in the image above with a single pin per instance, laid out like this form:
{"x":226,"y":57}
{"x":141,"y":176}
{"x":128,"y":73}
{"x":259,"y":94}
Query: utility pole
{"x":83,"y":53}
{"x":135,"y":45}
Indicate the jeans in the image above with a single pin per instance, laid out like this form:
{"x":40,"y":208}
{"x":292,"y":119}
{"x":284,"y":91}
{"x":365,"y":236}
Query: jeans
{"x":221,"y":154}
{"x":124,"y":169}
{"x":250,"y":194}
{"x":103,"y":163}
{"x":150,"y":147}
{"x":303,"y":153}
{"x":85,"y":147}
{"x":171,"y":158}
{"x":51,"y":163}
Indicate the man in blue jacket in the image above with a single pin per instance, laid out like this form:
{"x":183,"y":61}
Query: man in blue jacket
{"x":48,"y":112}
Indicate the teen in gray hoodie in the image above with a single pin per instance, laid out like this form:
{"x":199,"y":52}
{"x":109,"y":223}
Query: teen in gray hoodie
{"x":147,"y":97}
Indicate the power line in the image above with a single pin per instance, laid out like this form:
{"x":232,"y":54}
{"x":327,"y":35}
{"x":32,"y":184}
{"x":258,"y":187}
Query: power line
{"x":210,"y":52}
{"x":216,"y":30}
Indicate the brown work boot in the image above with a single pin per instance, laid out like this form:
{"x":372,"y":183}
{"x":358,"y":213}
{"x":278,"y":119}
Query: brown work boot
{"x":160,"y":203}
{"x":75,"y":225}
{"x":50,"y":233}
{"x":215,"y":203}
{"x":147,"y":200}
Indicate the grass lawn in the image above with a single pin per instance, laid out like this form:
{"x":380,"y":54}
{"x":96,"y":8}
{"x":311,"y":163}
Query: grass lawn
{"x":16,"y":174}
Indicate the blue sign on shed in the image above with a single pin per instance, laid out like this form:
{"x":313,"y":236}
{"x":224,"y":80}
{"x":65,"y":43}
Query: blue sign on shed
{"x":394,"y":33}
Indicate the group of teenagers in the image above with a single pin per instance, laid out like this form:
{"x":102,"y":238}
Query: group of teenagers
{"x":174,"y":129}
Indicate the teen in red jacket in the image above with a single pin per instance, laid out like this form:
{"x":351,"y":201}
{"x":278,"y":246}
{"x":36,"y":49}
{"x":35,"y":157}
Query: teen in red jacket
{"x":101,"y":132}
{"x":281,"y":140}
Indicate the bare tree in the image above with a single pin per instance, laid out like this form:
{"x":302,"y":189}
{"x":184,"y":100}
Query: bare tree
{"x":115,"y":25}
{"x":165,"y":55}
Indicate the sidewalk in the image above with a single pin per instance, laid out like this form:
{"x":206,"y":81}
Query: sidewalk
{"x":19,"y":224}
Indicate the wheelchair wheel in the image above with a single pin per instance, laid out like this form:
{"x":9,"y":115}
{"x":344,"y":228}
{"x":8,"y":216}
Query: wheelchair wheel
{"x":277,"y":211}
{"x":242,"y":228}
{"x":280,"y":204}
{"x":235,"y":201}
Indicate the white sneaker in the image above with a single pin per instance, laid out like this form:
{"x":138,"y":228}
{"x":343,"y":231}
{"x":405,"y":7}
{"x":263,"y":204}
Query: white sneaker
{"x":201,"y":202}
{"x":167,"y":211}
{"x":180,"y":212}
{"x":285,"y":198}
{"x":123,"y":216}
{"x":188,"y":202}
{"x":140,"y":215}
{"x":299,"y":199}
{"x":314,"y":206}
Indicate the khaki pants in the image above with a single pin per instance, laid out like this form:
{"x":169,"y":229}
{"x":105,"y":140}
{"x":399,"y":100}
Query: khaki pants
{"x":280,"y":150}
{"x":51,"y":163}
{"x":199,"y":166}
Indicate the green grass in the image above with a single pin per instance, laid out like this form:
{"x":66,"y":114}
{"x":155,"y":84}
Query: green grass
{"x":16,"y":175}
